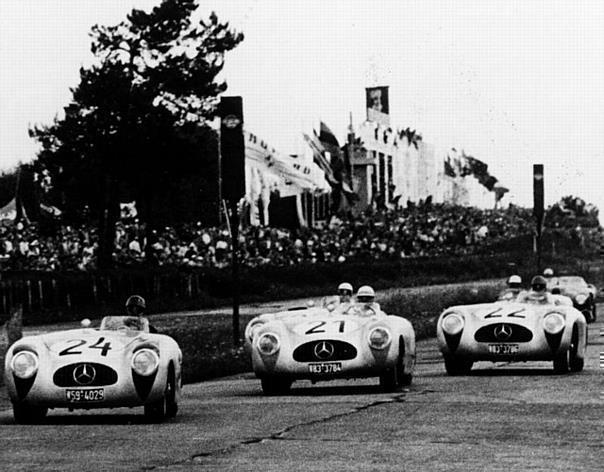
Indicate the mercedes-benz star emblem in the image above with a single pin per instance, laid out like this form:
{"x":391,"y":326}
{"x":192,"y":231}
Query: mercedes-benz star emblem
{"x":502,"y":332}
{"x":84,"y":374}
{"x":323,"y":350}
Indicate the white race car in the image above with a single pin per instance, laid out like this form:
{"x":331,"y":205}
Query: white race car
{"x":511,"y":332}
{"x":350,"y":341}
{"x":120,"y":364}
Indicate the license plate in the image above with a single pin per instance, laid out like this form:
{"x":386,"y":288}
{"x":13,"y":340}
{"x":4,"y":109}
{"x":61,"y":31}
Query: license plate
{"x":503,"y":348}
{"x":82,"y":395}
{"x":325,"y":368}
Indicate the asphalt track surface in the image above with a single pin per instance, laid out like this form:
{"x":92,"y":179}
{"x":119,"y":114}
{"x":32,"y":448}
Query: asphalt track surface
{"x":501,"y":417}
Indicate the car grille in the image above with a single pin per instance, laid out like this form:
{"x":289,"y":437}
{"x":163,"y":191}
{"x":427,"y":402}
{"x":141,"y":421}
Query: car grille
{"x":85,"y":374}
{"x":503,"y":333}
{"x":325,"y":350}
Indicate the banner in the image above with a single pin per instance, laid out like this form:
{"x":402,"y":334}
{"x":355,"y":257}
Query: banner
{"x":538,"y":194}
{"x":232,"y":148}
{"x":378,"y":105}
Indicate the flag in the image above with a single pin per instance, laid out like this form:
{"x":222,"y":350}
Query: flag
{"x":449,"y":168}
{"x":319,"y":156}
{"x":326,"y":136}
{"x":500,"y":192}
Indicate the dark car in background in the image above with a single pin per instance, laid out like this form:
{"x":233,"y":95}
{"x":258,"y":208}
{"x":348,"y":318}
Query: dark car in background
{"x":579,"y":291}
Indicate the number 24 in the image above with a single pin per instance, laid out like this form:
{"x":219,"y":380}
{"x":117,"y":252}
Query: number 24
{"x":80,"y":342}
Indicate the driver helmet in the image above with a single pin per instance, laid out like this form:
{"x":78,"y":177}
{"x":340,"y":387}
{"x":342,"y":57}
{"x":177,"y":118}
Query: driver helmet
{"x":549,"y":272}
{"x":515,"y":281}
{"x":345,"y":289}
{"x":135,"y":305}
{"x":539,"y":284}
{"x":366,"y":294}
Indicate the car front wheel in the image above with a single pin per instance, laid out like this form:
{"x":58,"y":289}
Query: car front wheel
{"x":166,"y":406}
{"x":456,"y":366}
{"x":27,"y":414}
{"x":275,"y":386}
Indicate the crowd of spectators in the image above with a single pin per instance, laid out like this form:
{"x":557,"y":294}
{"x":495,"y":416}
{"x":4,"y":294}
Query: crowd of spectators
{"x":413,"y":231}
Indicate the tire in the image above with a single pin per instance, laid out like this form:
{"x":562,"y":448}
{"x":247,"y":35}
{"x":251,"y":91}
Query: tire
{"x":456,"y":366}
{"x":166,"y":406}
{"x":389,"y":380}
{"x":171,"y":403}
{"x":594,"y":314}
{"x":396,"y":377}
{"x":272,"y":386}
{"x":28,"y":414}
{"x":561,"y":363}
{"x":575,"y":363}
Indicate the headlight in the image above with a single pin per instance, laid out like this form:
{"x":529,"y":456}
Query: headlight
{"x":553,"y":323}
{"x":452,"y":324}
{"x":253,"y":329}
{"x":581,"y":299}
{"x":379,"y":338}
{"x":145,"y":362}
{"x":24,"y":364}
{"x":268,"y":344}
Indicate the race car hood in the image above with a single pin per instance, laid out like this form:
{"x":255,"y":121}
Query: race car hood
{"x":300,"y":324}
{"x":519,"y":313}
{"x":120,"y":340}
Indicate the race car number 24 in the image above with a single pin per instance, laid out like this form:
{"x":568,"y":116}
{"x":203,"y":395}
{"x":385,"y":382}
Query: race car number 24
{"x":75,"y":346}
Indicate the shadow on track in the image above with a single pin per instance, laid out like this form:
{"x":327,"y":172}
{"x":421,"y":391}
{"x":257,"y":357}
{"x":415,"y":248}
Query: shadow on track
{"x":310,"y":390}
{"x":66,"y":419}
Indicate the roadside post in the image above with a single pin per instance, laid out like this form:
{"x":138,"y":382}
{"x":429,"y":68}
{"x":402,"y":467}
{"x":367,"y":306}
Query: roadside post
{"x":232,"y":171}
{"x":538,"y":208}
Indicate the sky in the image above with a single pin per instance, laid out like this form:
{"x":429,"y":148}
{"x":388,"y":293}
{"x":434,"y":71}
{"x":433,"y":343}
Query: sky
{"x":511,"y":82}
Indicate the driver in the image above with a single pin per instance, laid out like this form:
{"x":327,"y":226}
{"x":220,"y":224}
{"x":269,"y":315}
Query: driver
{"x":135,"y":309}
{"x":366,"y":297}
{"x":513,"y":289}
{"x":345,"y":292}
{"x":538,"y":292}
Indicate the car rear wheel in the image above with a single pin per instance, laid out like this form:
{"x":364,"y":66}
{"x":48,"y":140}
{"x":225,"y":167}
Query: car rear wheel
{"x":456,"y":366}
{"x":28,"y":414}
{"x":166,"y":406}
{"x":275,"y":386}
{"x":575,"y":362}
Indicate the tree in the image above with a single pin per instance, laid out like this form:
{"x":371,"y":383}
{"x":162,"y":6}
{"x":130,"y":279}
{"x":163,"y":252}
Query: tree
{"x":572,"y":211}
{"x":138,"y":118}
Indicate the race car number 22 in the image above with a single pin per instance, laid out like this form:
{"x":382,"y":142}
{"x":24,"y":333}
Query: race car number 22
{"x":76,"y":344}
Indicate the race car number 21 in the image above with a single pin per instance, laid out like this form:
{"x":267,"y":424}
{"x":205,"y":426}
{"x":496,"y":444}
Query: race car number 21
{"x":326,"y":327}
{"x":75,"y":346}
